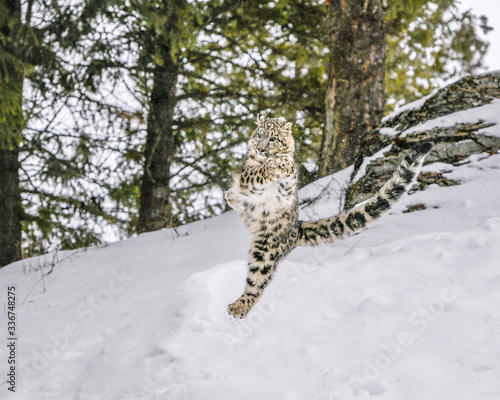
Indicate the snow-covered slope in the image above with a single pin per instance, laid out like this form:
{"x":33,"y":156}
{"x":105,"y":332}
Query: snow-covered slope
{"x":408,"y":309}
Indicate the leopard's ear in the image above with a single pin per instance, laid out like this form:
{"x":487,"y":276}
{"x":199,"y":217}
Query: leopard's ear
{"x":288,"y":127}
{"x":260,"y":119}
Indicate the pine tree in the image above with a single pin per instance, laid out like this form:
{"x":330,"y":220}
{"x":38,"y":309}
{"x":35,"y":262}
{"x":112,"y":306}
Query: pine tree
{"x":48,"y":155}
{"x":429,"y":42}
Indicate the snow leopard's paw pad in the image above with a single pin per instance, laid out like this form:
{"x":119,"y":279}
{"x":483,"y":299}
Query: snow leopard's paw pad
{"x":241,"y":307}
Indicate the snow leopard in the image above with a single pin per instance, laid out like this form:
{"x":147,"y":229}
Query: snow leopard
{"x":264,"y":195}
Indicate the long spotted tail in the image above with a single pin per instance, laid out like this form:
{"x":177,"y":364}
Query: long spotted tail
{"x":327,"y":230}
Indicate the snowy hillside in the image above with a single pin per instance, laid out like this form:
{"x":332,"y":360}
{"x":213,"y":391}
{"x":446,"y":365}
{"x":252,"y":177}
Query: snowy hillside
{"x":408,"y":309}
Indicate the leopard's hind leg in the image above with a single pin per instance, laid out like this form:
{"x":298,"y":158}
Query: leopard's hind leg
{"x":266,"y":251}
{"x":260,"y":273}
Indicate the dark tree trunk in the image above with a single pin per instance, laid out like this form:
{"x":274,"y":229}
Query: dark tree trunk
{"x":355,"y":94}
{"x":10,"y":133}
{"x":154,"y":205}
{"x":10,"y":223}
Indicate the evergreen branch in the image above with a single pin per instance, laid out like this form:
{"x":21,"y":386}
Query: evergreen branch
{"x":203,"y":156}
{"x":226,"y":6}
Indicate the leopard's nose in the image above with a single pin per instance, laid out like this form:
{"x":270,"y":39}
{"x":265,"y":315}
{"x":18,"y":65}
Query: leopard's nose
{"x":260,"y":150}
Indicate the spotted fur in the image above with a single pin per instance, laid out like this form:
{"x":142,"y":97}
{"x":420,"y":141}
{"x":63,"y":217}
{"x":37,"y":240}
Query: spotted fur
{"x":265,"y":196}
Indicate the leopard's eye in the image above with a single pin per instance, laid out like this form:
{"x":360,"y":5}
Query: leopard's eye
{"x":272,"y":139}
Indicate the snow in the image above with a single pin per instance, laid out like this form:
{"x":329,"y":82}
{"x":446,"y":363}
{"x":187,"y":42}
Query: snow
{"x":408,"y":309}
{"x":389,"y":131}
{"x":330,"y":190}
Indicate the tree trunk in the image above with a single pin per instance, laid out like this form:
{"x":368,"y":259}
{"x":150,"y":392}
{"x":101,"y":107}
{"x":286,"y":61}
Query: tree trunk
{"x":10,"y":211}
{"x":355,"y":94}
{"x":11,"y":86}
{"x":154,"y":205}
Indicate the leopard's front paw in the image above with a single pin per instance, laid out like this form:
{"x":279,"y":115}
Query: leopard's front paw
{"x":272,"y":169}
{"x":230,"y":198}
{"x":241,"y":307}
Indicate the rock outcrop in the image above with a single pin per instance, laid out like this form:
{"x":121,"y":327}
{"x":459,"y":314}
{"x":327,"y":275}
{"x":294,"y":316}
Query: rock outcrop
{"x":459,"y":119}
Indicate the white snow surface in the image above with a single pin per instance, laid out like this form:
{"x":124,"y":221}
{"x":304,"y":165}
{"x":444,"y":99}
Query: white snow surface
{"x":408,"y":309}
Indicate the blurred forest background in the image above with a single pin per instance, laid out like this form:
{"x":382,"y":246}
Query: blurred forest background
{"x":120,"y":117}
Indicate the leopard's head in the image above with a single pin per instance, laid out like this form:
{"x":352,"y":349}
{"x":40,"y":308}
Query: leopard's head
{"x":273,"y":136}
